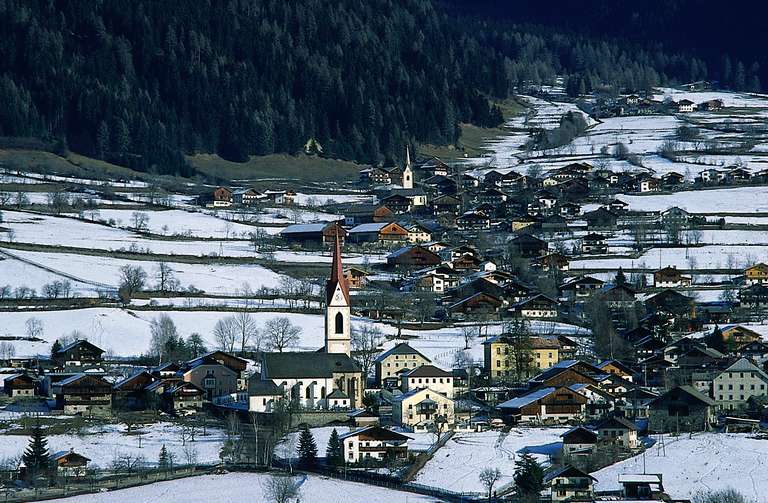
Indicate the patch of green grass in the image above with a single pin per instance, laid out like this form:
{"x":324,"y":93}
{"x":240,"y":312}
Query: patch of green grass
{"x":277,"y":166}
{"x":72,"y":164}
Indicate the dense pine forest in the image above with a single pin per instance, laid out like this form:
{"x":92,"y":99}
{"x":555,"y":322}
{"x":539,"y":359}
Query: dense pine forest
{"x":143,"y":82}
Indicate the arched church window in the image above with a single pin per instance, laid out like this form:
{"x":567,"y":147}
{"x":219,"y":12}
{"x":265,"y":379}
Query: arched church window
{"x":339,"y":323}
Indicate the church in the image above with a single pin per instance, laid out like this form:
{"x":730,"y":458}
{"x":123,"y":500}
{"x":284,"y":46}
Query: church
{"x":310,"y":377}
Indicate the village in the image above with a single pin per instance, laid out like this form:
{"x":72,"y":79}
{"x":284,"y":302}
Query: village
{"x":550,"y":323}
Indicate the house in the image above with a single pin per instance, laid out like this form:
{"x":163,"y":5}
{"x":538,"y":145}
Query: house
{"x":83,"y":394}
{"x":539,"y":307}
{"x":263,"y":395}
{"x":222,"y":197}
{"x":643,"y":487}
{"x":70,"y":464}
{"x":552,"y":262}
{"x":364,"y":417}
{"x":681,"y":409}
{"x":647,"y":183}
{"x":428,"y":376}
{"x":355,"y":277}
{"x":594,"y":244}
{"x":670,"y":277}
{"x":711,"y":105}
{"x":579,"y":442}
{"x":20,"y":385}
{"x":414,"y":256}
{"x":548,"y":404}
{"x":382,"y":232}
{"x":373,"y":443}
{"x":402,"y":356}
{"x":617,"y":206}
{"x":420,"y":408}
{"x":528,"y":246}
{"x":323,"y":232}
{"x":417,"y":233}
{"x":685,"y":106}
{"x":375,"y":176}
{"x":675,"y":217}
{"x":473,"y":220}
{"x":757,"y":273}
{"x":569,"y":210}
{"x":79,"y":353}
{"x":617,"y":368}
{"x":618,"y":431}
{"x":337,"y":400}
{"x":733,"y":387}
{"x":129,"y":393}
{"x":479,"y":303}
{"x":601,"y":218}
{"x":211,"y":376}
{"x":672,"y":179}
{"x":580,"y":288}
{"x":182,"y":398}
{"x":446,"y":205}
{"x":398,"y":203}
{"x":754,"y":296}
{"x":736,"y":335}
{"x":247,"y":197}
{"x":569,"y":484}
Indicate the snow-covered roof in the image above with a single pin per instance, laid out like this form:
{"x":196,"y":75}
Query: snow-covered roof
{"x":301,"y":228}
{"x":370,"y":227}
{"x":528,"y":399}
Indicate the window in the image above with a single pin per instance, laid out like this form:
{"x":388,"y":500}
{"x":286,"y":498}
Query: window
{"x":720,"y":387}
{"x":339,"y":323}
{"x":752,"y":387}
{"x":209,"y":382}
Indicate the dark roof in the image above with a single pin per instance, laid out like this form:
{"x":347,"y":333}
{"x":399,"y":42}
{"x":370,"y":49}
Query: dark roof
{"x":257,"y":387}
{"x":79,"y":342}
{"x":567,"y":471}
{"x":579,"y":435}
{"x":337,"y":393}
{"x":400,"y":349}
{"x":429,"y":371}
{"x":376,"y":432}
{"x":306,"y":364}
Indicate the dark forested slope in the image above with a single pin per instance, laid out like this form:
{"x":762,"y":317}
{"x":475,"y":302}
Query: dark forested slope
{"x":141,"y":82}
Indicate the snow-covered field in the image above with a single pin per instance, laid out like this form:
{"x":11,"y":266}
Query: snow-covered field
{"x":102,"y":444}
{"x":456,"y":465}
{"x":703,"y":257}
{"x":180,"y":222}
{"x":250,"y":487}
{"x":708,"y":461}
{"x":732,"y":200}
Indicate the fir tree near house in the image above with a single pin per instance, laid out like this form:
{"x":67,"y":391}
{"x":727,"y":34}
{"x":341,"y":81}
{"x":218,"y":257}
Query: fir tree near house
{"x":333,"y":453}
{"x":56,"y":347}
{"x":529,"y":478}
{"x":307,"y":448}
{"x":37,"y":459}
{"x":163,"y":461}
{"x":715,"y":340}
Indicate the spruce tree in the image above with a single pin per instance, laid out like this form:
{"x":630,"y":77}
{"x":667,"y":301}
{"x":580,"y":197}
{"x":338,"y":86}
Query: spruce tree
{"x":307,"y":448}
{"x":715,"y":340}
{"x":620,"y":278}
{"x":163,"y":461}
{"x":56,"y":347}
{"x":36,"y":458}
{"x":529,"y":477}
{"x":334,"y":453}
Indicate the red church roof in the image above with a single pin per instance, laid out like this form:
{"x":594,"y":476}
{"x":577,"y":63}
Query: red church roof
{"x":337,"y":275}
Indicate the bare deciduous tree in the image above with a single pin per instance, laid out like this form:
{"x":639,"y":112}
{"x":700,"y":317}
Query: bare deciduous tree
{"x":140,"y":221}
{"x":489,"y":477}
{"x":166,"y":278}
{"x":366,"y":339}
{"x":33,"y":328}
{"x":132,"y":279}
{"x":282,"y":488}
{"x":280,"y":333}
{"x":225,"y":333}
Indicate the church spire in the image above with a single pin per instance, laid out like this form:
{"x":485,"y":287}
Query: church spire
{"x":337,"y":273}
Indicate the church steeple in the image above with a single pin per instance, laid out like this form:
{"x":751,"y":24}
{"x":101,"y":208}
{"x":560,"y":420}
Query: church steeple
{"x":338,"y":312}
{"x":407,"y":171}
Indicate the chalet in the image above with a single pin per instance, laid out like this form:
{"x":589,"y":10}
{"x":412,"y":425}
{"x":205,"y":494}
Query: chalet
{"x":681,"y":409}
{"x":417,"y":233}
{"x":384,"y":232}
{"x":672,"y":179}
{"x":643,"y":487}
{"x":477,"y":304}
{"x":553,"y":224}
{"x":446,"y":205}
{"x":397,"y":203}
{"x":551,"y":262}
{"x":569,"y":484}
{"x":83,"y":394}
{"x":569,"y":210}
{"x":364,"y":417}
{"x":733,"y":387}
{"x":373,"y":443}
{"x":375,"y":176}
{"x":617,"y":206}
{"x":670,"y":277}
{"x":440,"y":184}
{"x":675,"y":217}
{"x":222,"y":197}
{"x":756,"y":351}
{"x":247,"y":197}
{"x":70,"y":464}
{"x":738,"y":175}
{"x":673,"y":303}
{"x":711,"y":176}
{"x":601,"y":218}
{"x":537,"y":307}
{"x":754,"y":296}
{"x":685,"y":106}
{"x":211,"y":376}
{"x":79,"y":353}
{"x":579,"y":442}
{"x":528,"y":246}
{"x":473,"y":220}
{"x":437,"y":280}
{"x":401,"y":356}
{"x":413,"y":256}
{"x":519,"y":223}
{"x":492,"y":196}
{"x":635,"y":402}
{"x":617,"y":368}
{"x":416,"y":198}
{"x":20,"y":385}
{"x":469,"y":181}
{"x":618,"y":431}
{"x":129,"y":393}
{"x":757,"y":273}
{"x":594,"y":244}
{"x":433,"y":167}
{"x":711,"y":105}
{"x":420,"y":408}
{"x":355,"y":277}
{"x":428,"y":376}
{"x":366,"y":214}
{"x":544,"y":405}
{"x":580,"y":287}
{"x":324,"y":232}
{"x":182,"y":398}
{"x":737,"y":335}
{"x":647,"y":183}
{"x":619,"y":296}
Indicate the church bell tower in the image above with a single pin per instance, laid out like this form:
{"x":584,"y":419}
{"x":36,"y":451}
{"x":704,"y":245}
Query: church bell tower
{"x":338,"y":312}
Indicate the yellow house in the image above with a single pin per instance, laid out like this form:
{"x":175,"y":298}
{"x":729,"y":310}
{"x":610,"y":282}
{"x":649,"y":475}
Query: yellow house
{"x":521,"y":223}
{"x":389,"y":364}
{"x":757,"y":273}
{"x":499,"y":355}
{"x":420,"y":408}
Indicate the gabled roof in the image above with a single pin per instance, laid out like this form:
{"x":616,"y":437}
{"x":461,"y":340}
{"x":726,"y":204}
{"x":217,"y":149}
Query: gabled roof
{"x":338,"y":394}
{"x":744,"y":365}
{"x":79,"y":342}
{"x":579,"y":435}
{"x":401,"y":348}
{"x":428,"y":371}
{"x":305,"y":365}
{"x":689,"y":391}
{"x":528,"y":399}
{"x":377,"y":433}
{"x":567,"y":471}
{"x":259,"y":387}
{"x":616,"y":423}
